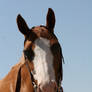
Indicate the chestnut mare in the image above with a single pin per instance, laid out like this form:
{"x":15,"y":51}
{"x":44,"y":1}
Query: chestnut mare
{"x":40,"y":67}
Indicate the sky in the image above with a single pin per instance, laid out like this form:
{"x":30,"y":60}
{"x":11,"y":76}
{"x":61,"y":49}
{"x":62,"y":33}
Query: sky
{"x":73,"y":29}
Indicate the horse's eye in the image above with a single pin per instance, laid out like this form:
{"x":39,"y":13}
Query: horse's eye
{"x":55,"y":48}
{"x":29,"y":54}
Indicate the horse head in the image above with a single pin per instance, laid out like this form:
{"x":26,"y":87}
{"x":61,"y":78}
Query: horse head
{"x":42,"y":53}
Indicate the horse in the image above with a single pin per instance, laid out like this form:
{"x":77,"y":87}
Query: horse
{"x":40,"y":67}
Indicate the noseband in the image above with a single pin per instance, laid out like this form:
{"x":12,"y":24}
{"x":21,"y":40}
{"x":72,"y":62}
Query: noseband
{"x":35,"y":86}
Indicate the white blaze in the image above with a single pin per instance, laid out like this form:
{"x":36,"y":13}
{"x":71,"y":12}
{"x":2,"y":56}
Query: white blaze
{"x":43,"y":62}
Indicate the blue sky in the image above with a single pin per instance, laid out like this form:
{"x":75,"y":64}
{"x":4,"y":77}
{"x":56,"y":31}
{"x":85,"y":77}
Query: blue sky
{"x":73,"y":29}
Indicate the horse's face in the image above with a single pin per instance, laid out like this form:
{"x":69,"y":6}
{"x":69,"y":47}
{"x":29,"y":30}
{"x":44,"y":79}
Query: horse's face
{"x":43,"y":52}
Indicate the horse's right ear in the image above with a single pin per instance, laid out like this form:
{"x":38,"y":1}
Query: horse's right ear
{"x":23,"y":28}
{"x":50,"y":20}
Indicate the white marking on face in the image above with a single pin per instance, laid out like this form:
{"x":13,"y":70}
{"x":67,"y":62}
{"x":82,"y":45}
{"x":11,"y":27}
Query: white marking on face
{"x":43,"y":62}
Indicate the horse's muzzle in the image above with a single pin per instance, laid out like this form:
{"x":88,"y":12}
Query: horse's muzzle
{"x":50,"y":87}
{"x":58,"y":90}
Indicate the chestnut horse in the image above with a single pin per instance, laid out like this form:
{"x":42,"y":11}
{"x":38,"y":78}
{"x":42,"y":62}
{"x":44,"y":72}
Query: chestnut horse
{"x":40,"y":67}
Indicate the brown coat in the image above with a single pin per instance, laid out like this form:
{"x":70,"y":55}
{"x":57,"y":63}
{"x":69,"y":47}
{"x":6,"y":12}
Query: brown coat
{"x":8,"y":83}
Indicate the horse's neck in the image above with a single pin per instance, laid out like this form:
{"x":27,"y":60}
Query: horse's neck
{"x":26,"y":83}
{"x":14,"y":70}
{"x":9,"y":81}
{"x":16,"y":67}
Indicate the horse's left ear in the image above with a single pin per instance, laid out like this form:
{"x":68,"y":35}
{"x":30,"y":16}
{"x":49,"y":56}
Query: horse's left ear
{"x":23,"y":28}
{"x":50,"y":20}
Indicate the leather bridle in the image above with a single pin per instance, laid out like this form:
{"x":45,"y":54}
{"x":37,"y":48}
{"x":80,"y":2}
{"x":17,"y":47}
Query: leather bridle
{"x":35,"y":86}
{"x":31,"y":74}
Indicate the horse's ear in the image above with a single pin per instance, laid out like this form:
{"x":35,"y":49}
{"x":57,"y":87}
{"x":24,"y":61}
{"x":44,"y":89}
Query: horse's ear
{"x":23,"y":28}
{"x":50,"y":20}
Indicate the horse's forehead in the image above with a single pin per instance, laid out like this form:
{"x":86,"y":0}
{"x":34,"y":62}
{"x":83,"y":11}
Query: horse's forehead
{"x":40,"y":31}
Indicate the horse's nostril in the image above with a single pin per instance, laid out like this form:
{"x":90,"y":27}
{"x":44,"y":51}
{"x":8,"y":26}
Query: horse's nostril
{"x":49,"y":87}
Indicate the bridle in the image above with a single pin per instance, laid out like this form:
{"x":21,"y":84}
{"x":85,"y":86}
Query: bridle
{"x":35,"y":86}
{"x":18,"y":83}
{"x":31,"y":74}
